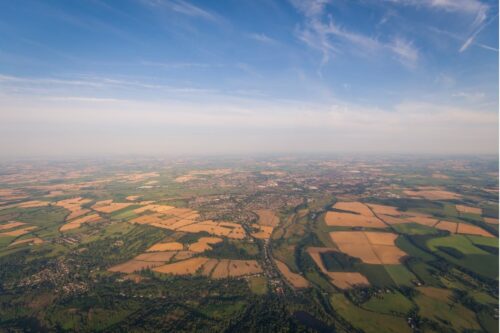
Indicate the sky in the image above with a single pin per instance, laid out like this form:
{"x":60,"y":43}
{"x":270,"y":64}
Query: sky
{"x":160,"y":77}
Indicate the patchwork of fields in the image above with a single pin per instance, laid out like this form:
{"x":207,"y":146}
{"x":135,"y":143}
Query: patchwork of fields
{"x":318,"y":245}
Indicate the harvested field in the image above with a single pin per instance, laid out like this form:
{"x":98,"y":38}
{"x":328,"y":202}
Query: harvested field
{"x":352,"y":220}
{"x":11,"y":194}
{"x":370,"y":247}
{"x":194,"y":174}
{"x":209,"y":266}
{"x":433,"y":194}
{"x":355,"y":207}
{"x":137,"y":177}
{"x":381,"y":238}
{"x":469,"y":229}
{"x":185,"y":267}
{"x":267,"y":217}
{"x":182,"y":255}
{"x":296,"y":280}
{"x":439,"y":176}
{"x":203,"y":244}
{"x":384,"y":210}
{"x":78,"y":222}
{"x":468,"y":209}
{"x":424,"y":220}
{"x":183,"y":213}
{"x":34,"y":240}
{"x":393,"y":220}
{"x":156,"y":256}
{"x":237,"y":233}
{"x":181,"y":223}
{"x":448,"y":226}
{"x":74,"y":205}
{"x":315,"y":254}
{"x":490,"y":220}
{"x":18,"y":232}
{"x":171,"y":246}
{"x":264,"y":232}
{"x":77,"y":213}
{"x":70,"y":203}
{"x":219,"y":229}
{"x":339,"y":279}
{"x":132,"y":197}
{"x":10,"y":225}
{"x":148,"y":219}
{"x":347,"y":280}
{"x":243,"y":267}
{"x":221,"y":271}
{"x":185,"y":178}
{"x":33,"y":204}
{"x":184,"y":219}
{"x":132,"y":266}
{"x":109,"y":207}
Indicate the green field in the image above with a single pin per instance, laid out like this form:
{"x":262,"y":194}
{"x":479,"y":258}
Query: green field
{"x":258,"y":285}
{"x":473,"y":257}
{"x":389,"y":303}
{"x":414,"y":229}
{"x":368,"y":321}
{"x":443,"y":310}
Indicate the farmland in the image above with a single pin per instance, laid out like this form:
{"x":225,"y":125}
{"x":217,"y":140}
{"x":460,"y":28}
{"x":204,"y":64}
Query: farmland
{"x":314,"y":245}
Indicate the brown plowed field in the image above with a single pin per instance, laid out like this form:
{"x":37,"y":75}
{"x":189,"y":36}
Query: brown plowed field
{"x":11,"y":224}
{"x":370,"y":247}
{"x":267,"y":217}
{"x":468,"y":209}
{"x":448,"y":226}
{"x":18,"y":232}
{"x":171,"y":246}
{"x":346,"y":280}
{"x":469,"y":229}
{"x":185,"y":267}
{"x":296,"y":280}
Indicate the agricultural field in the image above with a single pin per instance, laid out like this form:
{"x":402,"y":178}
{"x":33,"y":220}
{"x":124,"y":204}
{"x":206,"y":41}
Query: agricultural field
{"x":306,"y":245}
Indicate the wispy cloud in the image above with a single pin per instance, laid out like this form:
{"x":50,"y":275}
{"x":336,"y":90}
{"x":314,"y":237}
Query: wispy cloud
{"x":464,"y":45}
{"x":470,"y":7}
{"x":47,"y":84}
{"x":477,"y":10}
{"x":470,"y":40}
{"x":263,"y":38}
{"x":180,"y":65}
{"x":183,"y":7}
{"x":321,"y":32}
{"x":473,"y":97}
{"x":405,"y":51}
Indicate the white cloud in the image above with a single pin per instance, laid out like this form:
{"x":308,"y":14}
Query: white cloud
{"x":470,"y":7}
{"x":405,"y":51}
{"x":473,"y":97}
{"x":475,"y":9}
{"x":310,"y":8}
{"x":263,"y":38}
{"x":331,"y":38}
{"x":182,"y":7}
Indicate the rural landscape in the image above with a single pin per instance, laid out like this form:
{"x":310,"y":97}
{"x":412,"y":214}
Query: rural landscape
{"x":249,"y":166}
{"x":281,"y":244}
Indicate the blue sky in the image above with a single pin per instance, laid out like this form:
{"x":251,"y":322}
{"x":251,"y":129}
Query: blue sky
{"x":172,"y":76}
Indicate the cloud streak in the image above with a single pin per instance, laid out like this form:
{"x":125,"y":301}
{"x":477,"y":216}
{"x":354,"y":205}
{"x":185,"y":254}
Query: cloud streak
{"x":321,"y":32}
{"x":182,"y":7}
